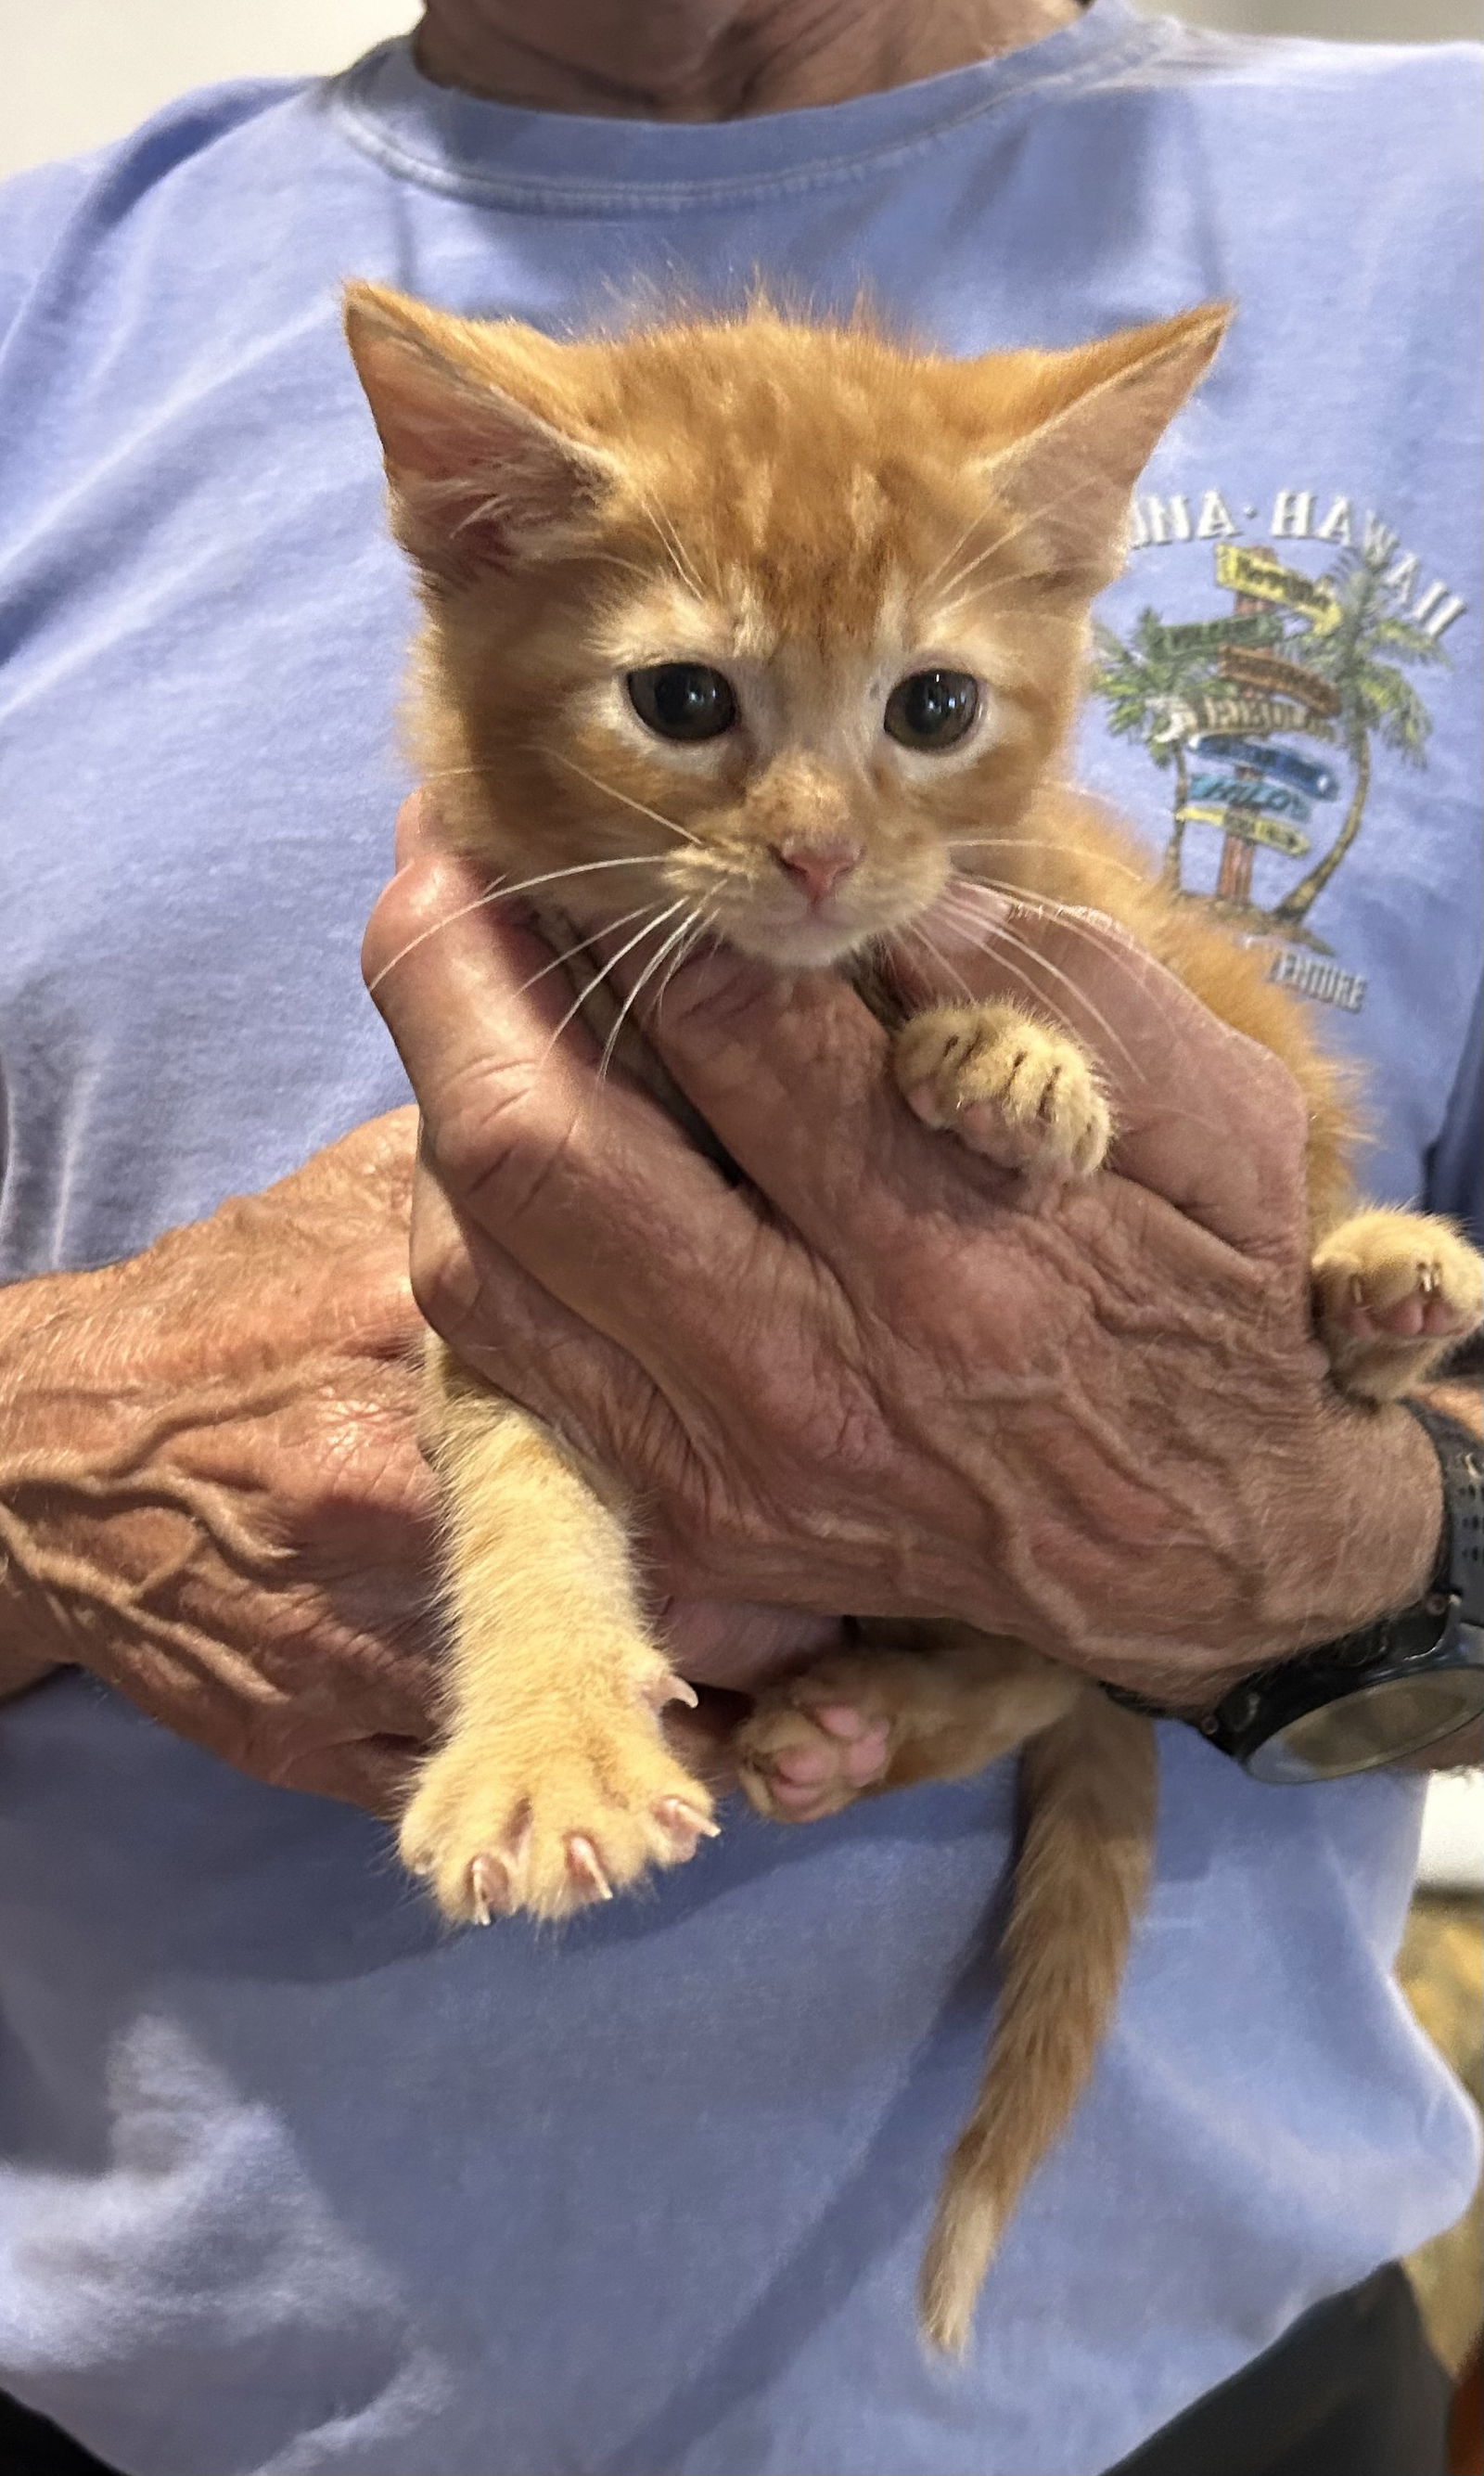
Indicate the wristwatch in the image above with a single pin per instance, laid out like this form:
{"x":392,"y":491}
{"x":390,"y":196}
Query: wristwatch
{"x":1391,"y":1688}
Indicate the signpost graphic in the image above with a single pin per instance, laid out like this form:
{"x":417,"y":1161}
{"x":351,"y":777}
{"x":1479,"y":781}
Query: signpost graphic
{"x":1218,"y":701}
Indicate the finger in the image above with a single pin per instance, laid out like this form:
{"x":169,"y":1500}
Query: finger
{"x":416,"y":831}
{"x":792,"y":1074}
{"x":731,"y":1643}
{"x":608,"y":1410}
{"x":1204,"y":1117}
{"x":588,"y":1184}
{"x":500,"y":1322}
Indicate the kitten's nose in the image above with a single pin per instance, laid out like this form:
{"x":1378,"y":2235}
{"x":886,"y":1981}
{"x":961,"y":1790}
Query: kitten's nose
{"x":818,"y":867}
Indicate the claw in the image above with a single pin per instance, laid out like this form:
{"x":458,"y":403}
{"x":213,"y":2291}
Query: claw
{"x":584,"y":1866}
{"x":1357,"y":1291}
{"x":489,"y":1889}
{"x":1428,"y":1279}
{"x":672,"y":1689}
{"x":678,"y":1816}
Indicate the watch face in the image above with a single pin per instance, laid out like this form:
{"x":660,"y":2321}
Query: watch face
{"x":1377,"y":1724}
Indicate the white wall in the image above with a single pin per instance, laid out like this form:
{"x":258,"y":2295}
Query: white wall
{"x":1364,"y":21}
{"x":74,"y":73}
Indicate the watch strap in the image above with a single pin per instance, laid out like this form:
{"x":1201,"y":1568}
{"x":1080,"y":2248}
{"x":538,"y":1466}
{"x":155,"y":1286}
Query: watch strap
{"x":1460,"y":1570}
{"x":1443,"y":1630}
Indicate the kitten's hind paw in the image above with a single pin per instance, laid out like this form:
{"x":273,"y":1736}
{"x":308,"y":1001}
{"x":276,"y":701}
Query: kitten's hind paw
{"x":1394,"y":1292}
{"x":1017,"y":1090}
{"x":812,"y":1745}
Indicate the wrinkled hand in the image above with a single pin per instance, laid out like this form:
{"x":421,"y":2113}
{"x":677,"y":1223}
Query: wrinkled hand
{"x":865,"y":1378}
{"x":210,"y":1492}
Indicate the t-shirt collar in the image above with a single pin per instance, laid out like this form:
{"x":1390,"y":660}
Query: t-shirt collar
{"x":558,"y":161}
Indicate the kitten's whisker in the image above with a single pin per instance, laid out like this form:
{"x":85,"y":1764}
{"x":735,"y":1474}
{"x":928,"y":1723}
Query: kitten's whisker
{"x":611,"y":791}
{"x":675,"y":551}
{"x":1045,"y":908}
{"x":1029,"y":517}
{"x":921,"y":938}
{"x":1004,"y":964}
{"x":612,"y":559}
{"x":597,"y":977}
{"x":695,"y":930}
{"x":578,"y":868}
{"x":635,"y":994}
{"x":1002,"y":933}
{"x":500,"y":893}
{"x":1036,"y":842}
{"x":953,"y":583}
{"x":969,"y":530}
{"x":1114,"y":1039}
{"x":997,"y":599}
{"x":683,"y":955}
{"x":609,"y":928}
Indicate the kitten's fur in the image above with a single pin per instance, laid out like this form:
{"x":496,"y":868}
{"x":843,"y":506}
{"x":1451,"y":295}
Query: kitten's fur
{"x":817,"y":514}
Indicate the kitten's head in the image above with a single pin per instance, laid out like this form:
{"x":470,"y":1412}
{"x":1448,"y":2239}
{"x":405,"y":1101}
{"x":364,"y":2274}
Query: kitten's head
{"x":783,"y":619}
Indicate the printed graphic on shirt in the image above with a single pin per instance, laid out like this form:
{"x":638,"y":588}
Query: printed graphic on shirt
{"x":1274,"y":714}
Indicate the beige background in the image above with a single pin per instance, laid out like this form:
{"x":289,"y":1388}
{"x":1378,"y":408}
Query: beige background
{"x":74,"y":73}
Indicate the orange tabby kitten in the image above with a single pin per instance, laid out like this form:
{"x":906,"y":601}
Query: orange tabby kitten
{"x":779,"y":623}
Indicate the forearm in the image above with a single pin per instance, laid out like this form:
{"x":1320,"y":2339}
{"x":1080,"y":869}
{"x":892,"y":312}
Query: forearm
{"x":31,"y":1313}
{"x":210,"y":1493}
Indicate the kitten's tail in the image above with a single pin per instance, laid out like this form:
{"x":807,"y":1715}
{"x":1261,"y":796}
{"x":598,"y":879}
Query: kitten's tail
{"x":1089,"y":1786}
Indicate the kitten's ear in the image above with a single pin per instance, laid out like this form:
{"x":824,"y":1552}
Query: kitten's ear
{"x":479,"y":476}
{"x":1098,"y":414}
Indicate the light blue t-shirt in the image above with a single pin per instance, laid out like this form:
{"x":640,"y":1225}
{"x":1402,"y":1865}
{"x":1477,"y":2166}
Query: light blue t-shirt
{"x":291,"y":2181}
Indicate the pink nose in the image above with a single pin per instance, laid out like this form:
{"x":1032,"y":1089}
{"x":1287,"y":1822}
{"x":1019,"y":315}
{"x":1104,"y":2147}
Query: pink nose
{"x":818,"y":867}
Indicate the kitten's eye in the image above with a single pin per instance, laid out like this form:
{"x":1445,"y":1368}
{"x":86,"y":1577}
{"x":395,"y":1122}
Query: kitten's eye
{"x":932,"y":710}
{"x":683,"y":700}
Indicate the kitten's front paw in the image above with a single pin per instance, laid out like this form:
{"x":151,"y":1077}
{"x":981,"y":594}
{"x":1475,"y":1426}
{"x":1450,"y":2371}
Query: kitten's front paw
{"x":813,"y":1744}
{"x":552,"y":1817}
{"x":1018,"y":1091}
{"x":1394,"y":1292}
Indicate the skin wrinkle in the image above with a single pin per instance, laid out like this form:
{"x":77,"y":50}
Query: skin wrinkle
{"x":224,"y":1513}
{"x":1249,"y":1280}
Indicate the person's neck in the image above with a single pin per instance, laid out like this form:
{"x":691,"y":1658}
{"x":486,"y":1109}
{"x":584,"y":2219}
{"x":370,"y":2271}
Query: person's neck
{"x":713,"y":60}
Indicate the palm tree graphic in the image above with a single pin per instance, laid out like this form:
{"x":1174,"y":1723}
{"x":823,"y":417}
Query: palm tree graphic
{"x":1359,"y":658}
{"x":1146,"y":684}
{"x":1159,"y":680}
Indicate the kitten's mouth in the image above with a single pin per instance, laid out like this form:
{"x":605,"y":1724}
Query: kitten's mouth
{"x":808,"y":941}
{"x":803,"y":946}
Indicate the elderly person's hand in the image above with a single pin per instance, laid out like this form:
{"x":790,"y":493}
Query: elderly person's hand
{"x":210,"y":1492}
{"x":866,"y":1378}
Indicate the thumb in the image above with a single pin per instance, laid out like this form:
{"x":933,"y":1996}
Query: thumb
{"x":417,"y":823}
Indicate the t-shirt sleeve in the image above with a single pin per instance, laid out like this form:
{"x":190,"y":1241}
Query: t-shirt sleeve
{"x":36,"y":208}
{"x":1455,"y":1165}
